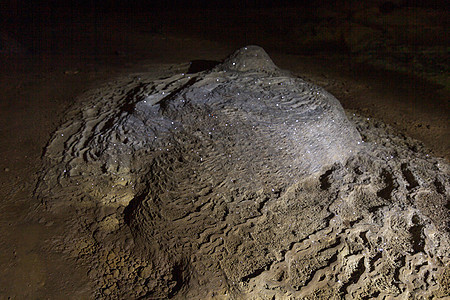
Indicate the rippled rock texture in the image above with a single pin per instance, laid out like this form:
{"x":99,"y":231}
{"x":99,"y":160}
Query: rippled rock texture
{"x":244,"y":181}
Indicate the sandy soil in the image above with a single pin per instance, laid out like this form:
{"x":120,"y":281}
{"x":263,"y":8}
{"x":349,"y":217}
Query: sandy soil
{"x":38,"y":88}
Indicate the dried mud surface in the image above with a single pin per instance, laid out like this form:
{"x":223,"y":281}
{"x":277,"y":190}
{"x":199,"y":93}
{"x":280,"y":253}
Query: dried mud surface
{"x":200,"y":214}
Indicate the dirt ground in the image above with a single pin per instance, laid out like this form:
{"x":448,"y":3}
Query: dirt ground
{"x":42,"y":80}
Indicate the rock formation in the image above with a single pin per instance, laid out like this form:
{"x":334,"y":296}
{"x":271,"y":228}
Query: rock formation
{"x":244,"y":181}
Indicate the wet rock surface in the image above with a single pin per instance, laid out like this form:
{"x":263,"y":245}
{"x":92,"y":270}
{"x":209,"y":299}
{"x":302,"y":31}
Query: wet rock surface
{"x":243,"y":181}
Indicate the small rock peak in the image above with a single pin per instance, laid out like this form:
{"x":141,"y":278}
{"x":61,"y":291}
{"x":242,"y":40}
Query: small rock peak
{"x":249,"y":58}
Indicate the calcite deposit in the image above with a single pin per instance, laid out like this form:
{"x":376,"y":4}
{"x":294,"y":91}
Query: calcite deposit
{"x":244,"y":182}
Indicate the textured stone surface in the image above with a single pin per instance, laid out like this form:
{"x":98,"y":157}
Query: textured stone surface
{"x":244,"y":181}
{"x":245,"y":113}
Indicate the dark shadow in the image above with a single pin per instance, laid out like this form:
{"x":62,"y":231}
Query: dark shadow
{"x":202,"y":65}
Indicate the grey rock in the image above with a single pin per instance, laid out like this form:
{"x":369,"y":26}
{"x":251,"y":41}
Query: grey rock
{"x":262,"y":115}
{"x":247,"y":59}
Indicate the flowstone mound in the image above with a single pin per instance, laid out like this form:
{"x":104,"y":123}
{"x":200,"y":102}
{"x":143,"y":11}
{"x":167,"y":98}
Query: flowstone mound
{"x":244,"y":181}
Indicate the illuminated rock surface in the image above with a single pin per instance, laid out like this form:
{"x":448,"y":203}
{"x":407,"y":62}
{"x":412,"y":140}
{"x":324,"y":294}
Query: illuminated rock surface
{"x":244,"y":181}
